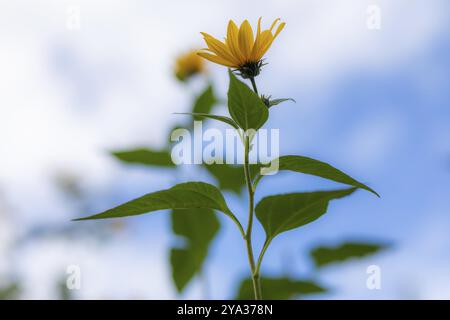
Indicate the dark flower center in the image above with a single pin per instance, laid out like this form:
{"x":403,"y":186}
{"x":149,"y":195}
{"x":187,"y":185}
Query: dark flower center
{"x":250,"y":69}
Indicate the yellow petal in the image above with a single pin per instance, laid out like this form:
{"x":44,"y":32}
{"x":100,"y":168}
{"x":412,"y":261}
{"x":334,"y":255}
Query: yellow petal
{"x":267,"y":41}
{"x":217,"y":59}
{"x":273,"y":24}
{"x":262,"y":45}
{"x":218,"y":48}
{"x":232,"y":40}
{"x":280,"y":27}
{"x":246,"y":39}
{"x":257,"y":41}
{"x":259,"y":27}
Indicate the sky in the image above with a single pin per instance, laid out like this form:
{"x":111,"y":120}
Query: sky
{"x":371,"y":102}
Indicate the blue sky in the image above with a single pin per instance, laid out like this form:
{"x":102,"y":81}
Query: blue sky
{"x":372,"y":103}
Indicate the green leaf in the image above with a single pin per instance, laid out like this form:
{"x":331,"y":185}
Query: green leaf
{"x":317,"y":168}
{"x":188,"y":195}
{"x":229,"y":177}
{"x":213,"y":116}
{"x":273,"y":102}
{"x":204,"y":102}
{"x":245,"y":106}
{"x":144,"y":156}
{"x":198,"y":227}
{"x":281,"y":213}
{"x":279,"y":288}
{"x":324,"y":255}
{"x":10,"y":292}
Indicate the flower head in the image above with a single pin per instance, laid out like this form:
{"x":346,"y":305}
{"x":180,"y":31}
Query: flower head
{"x":241,"y":49}
{"x":188,"y":64}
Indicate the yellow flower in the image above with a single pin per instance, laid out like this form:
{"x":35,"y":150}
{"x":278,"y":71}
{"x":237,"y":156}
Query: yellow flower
{"x":188,"y":64}
{"x":241,"y":50}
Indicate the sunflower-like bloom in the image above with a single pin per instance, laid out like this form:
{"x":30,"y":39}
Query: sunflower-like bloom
{"x":241,"y":50}
{"x":188,"y":64}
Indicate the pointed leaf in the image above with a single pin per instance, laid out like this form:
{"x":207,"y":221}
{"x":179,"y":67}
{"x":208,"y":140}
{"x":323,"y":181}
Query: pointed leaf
{"x":204,"y":102}
{"x":245,"y":106}
{"x":275,"y":102}
{"x":279,"y":288}
{"x":213,"y":116}
{"x":145,"y":156}
{"x":189,"y":195}
{"x":198,"y":227}
{"x":281,"y":213}
{"x":325,"y":255}
{"x":317,"y":168}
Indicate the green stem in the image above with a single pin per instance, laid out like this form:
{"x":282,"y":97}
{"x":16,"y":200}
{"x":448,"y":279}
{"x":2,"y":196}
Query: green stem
{"x":252,"y":79}
{"x":261,"y":255}
{"x":251,"y":192}
{"x":256,"y":181}
{"x":248,"y":234}
{"x":238,"y":224}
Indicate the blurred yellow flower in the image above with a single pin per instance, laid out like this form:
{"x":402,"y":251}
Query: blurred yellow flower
{"x":188,"y":64}
{"x":241,"y":50}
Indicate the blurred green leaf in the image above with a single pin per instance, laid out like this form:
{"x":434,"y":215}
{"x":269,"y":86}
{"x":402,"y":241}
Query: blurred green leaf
{"x":198,"y":227}
{"x":245,"y":106}
{"x":188,"y":195}
{"x":145,"y":157}
{"x":324,"y":255}
{"x":317,"y":168}
{"x":279,"y":288}
{"x":204,"y":102}
{"x":63,"y":291}
{"x":281,"y":213}
{"x":229,"y":177}
{"x":10,"y":292}
{"x":214,"y":117}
